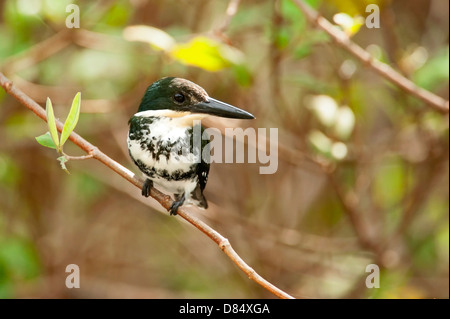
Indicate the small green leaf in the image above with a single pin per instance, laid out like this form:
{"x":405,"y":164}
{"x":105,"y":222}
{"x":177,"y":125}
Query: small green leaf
{"x":62,"y":161}
{"x":46,"y":140}
{"x":434,"y":72}
{"x":242,"y":75}
{"x":72,"y":119}
{"x":51,"y":122}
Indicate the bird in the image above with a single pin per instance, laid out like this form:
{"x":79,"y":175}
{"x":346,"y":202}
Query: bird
{"x":161,"y":139}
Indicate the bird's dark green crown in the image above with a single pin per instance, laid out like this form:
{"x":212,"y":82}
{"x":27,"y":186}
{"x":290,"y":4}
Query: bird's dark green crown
{"x":182,"y":95}
{"x":172,"y":94}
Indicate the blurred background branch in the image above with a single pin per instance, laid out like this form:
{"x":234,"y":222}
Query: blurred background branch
{"x":229,"y":14}
{"x":367,"y":59}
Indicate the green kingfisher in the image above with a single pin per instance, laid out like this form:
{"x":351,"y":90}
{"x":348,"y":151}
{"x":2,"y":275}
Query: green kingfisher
{"x":162,"y":135}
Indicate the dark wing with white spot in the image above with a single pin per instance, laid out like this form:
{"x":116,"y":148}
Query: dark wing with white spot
{"x":203,"y":167}
{"x":197,"y":194}
{"x":202,"y":171}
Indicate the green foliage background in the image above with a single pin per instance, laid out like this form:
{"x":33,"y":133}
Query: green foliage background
{"x":383,"y":198}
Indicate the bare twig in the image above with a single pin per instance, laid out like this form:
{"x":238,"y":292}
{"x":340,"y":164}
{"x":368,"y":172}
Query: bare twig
{"x":36,"y":53}
{"x":77,"y":158}
{"x":422,"y":191}
{"x":384,"y":70}
{"x":230,"y":13}
{"x":350,"y":204}
{"x":163,"y":199}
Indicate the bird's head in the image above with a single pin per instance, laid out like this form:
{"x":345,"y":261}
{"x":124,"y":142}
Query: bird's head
{"x":177,"y":96}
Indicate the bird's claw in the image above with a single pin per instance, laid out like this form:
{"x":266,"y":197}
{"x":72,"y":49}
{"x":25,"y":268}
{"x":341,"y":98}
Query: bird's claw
{"x":175,"y":205}
{"x":148,"y":184}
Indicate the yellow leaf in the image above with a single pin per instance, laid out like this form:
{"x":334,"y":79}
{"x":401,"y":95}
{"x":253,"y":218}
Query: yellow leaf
{"x":356,"y":7}
{"x":207,"y":54}
{"x":350,"y":25}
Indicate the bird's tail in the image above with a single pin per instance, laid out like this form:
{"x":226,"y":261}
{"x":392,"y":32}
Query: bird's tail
{"x":198,"y":198}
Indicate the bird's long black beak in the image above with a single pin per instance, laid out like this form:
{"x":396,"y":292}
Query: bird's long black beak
{"x":218,"y":108}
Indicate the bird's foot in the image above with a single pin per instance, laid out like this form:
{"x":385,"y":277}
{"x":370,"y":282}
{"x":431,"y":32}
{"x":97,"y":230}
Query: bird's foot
{"x":174,"y":208}
{"x":148,"y":184}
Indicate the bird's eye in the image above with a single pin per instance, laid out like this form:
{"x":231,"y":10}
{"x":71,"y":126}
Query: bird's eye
{"x":178,"y":97}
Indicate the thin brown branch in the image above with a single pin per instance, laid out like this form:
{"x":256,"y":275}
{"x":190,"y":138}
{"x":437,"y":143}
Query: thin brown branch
{"x":349,"y":202}
{"x":230,"y":13}
{"x":384,"y":70}
{"x":37,"y":53}
{"x":163,"y":199}
{"x":422,"y":191}
{"x":78,"y":158}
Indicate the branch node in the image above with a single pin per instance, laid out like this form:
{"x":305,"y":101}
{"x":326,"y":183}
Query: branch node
{"x":8,"y":85}
{"x":94,"y":151}
{"x":224,"y":244}
{"x":251,"y":273}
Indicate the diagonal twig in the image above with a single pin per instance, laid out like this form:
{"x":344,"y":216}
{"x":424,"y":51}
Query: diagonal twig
{"x":36,"y":53}
{"x":163,"y":199}
{"x":230,"y":13}
{"x":383,"y":69}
